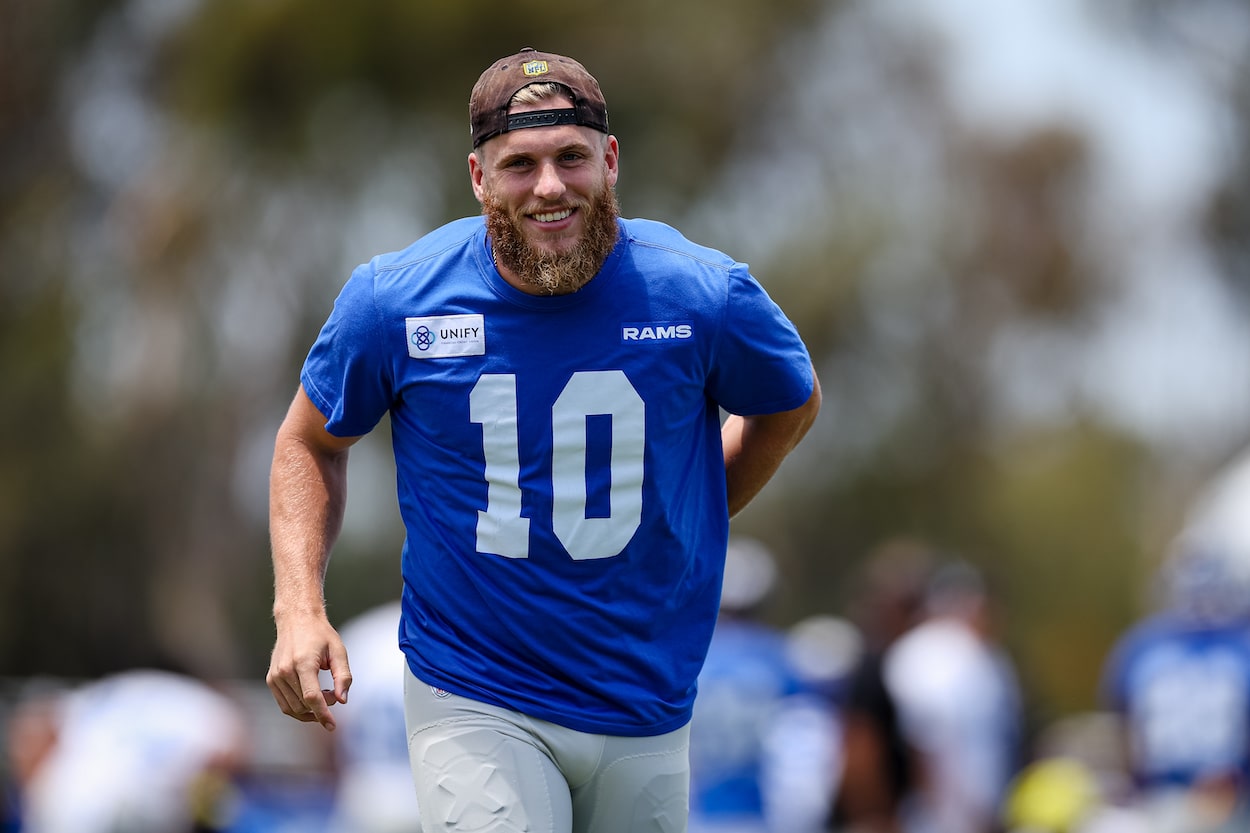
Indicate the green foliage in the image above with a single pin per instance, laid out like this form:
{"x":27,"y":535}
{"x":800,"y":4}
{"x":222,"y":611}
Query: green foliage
{"x":152,"y":322}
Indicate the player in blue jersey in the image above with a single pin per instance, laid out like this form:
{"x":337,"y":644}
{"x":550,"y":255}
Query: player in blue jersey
{"x":554,"y":376}
{"x":745,"y":679}
{"x":1179,"y":680}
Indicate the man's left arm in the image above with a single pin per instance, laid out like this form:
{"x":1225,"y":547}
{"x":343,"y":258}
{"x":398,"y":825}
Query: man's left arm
{"x":755,"y":446}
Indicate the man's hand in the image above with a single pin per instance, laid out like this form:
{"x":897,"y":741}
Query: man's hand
{"x":306,"y":645}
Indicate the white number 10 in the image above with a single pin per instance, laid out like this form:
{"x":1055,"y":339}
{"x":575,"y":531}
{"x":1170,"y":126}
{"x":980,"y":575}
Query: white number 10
{"x":501,"y":529}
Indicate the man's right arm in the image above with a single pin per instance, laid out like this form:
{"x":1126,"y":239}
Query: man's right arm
{"x":307,"y":496}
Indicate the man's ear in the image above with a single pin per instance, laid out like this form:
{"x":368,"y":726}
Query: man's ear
{"x":476,"y":175}
{"x":612,"y":158}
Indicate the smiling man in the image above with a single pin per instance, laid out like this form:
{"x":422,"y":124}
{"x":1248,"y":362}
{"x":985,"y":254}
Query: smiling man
{"x":551,"y":213}
{"x":554,"y":375}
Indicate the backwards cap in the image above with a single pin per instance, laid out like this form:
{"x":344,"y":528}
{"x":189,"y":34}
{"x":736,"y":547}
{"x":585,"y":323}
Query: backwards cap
{"x":488,"y":103}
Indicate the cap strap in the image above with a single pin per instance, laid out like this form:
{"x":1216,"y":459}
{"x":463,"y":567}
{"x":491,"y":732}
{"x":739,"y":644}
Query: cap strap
{"x":542,"y":118}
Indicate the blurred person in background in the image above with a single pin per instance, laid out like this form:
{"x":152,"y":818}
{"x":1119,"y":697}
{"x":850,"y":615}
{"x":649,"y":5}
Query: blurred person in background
{"x":1180,"y":682}
{"x":959,"y":707}
{"x":877,"y":770}
{"x":141,"y":751}
{"x":745,"y":676}
{"x":375,"y":789}
{"x":803,"y":750}
{"x":763,"y":752}
{"x":30,"y":732}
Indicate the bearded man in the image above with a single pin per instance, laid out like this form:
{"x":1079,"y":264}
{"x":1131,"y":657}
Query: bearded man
{"x":554,"y":376}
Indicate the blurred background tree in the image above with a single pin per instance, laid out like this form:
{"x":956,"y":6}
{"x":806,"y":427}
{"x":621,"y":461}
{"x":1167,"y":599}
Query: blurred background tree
{"x":1024,"y":287}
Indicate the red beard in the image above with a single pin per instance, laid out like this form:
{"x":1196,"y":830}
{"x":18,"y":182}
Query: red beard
{"x":553,"y":273}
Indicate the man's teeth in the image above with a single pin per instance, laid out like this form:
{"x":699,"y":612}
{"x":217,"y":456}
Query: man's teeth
{"x":553,"y":216}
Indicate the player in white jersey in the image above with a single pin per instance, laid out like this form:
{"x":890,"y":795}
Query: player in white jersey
{"x":139,"y":751}
{"x":554,"y":377}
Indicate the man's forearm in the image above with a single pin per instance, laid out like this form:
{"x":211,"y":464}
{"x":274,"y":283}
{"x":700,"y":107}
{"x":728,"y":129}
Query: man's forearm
{"x":307,"y":496}
{"x":755,"y":446}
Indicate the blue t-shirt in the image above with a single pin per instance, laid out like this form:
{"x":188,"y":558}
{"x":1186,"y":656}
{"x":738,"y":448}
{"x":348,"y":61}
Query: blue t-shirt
{"x":559,"y":462}
{"x":1183,"y":689}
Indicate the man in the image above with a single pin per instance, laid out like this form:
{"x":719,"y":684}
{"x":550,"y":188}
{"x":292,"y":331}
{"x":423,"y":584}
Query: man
{"x":959,"y":706}
{"x":1178,"y":682}
{"x":554,"y":376}
{"x":745,"y":678}
{"x":762,"y":738}
{"x":879,"y":771}
{"x":143,"y":750}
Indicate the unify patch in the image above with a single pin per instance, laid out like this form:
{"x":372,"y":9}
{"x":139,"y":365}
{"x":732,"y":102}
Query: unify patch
{"x":439,"y":336}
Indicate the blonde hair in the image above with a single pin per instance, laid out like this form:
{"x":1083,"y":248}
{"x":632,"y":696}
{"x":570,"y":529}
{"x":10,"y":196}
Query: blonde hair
{"x":538,"y":93}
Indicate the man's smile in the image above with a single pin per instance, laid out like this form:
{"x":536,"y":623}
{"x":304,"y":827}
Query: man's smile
{"x":552,"y":216}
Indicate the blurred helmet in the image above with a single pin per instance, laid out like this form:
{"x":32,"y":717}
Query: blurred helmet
{"x":1204,"y":582}
{"x":750,"y":574}
{"x":823,"y":649}
{"x":1207,"y":570}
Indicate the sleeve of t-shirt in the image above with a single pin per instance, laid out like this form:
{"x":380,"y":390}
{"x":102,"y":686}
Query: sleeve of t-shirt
{"x":761,"y":365}
{"x":347,"y":372}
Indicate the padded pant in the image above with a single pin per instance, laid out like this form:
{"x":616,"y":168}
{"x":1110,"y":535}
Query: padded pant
{"x":483,"y":769}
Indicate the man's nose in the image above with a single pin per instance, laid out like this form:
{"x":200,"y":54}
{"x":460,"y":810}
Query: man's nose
{"x":550,"y":185}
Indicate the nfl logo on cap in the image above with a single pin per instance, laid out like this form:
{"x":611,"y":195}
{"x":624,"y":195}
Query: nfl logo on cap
{"x":533,"y":68}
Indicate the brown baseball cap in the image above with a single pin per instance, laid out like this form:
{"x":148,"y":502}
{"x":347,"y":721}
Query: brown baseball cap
{"x":488,"y":103}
